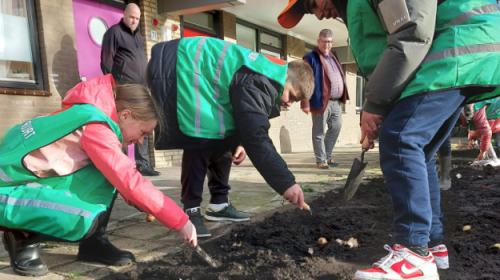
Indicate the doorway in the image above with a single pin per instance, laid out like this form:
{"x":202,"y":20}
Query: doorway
{"x":92,"y":20}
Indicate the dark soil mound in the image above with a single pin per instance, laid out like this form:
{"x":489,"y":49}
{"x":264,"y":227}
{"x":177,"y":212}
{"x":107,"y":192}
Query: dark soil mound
{"x":280,"y":246}
{"x":473,"y":200}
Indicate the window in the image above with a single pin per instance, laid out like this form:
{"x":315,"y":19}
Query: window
{"x":205,"y":22}
{"x":309,"y":48}
{"x":270,"y":45}
{"x":246,"y":37}
{"x":270,"y":53}
{"x":344,"y":54}
{"x":270,"y":40}
{"x":20,"y":65}
{"x":259,"y":39}
{"x":360,"y":92}
{"x":97,"y":28}
{"x":201,"y":19}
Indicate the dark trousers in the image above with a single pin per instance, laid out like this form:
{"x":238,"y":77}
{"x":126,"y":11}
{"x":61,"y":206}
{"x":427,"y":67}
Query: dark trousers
{"x":142,"y":153}
{"x":445,"y":149}
{"x":216,"y":165}
{"x":409,"y":137}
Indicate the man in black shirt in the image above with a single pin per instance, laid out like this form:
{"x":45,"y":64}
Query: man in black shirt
{"x":123,"y":56}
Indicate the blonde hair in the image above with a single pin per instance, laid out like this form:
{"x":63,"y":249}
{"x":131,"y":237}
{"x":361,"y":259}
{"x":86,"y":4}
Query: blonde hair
{"x":301,"y":75}
{"x":137,"y":98}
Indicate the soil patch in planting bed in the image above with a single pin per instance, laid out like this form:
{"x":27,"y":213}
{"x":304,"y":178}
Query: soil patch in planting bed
{"x":471,"y":154}
{"x":283,"y":244}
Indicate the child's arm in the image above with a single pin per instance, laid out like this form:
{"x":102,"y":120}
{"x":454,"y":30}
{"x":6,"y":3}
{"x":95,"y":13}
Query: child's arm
{"x":483,"y":127}
{"x":252,"y":105}
{"x":104,"y":149}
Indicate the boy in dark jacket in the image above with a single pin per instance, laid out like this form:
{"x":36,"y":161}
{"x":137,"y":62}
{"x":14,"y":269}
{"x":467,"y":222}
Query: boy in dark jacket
{"x":218,"y":98}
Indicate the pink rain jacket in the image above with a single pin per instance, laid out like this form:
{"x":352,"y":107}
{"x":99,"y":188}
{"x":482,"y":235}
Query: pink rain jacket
{"x":104,"y":149}
{"x":484,"y":128}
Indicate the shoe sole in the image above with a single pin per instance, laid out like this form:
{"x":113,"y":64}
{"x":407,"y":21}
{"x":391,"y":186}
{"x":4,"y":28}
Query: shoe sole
{"x":17,"y":269}
{"x":204,"y":235}
{"x":221,"y":219}
{"x":443,"y":267}
{"x":121,"y":262}
{"x":442,"y":263}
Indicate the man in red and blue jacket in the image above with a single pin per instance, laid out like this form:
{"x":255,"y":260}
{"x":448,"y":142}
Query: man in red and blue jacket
{"x":325,"y":105}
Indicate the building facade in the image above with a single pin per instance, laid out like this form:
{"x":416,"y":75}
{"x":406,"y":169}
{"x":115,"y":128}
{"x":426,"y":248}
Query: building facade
{"x":48,"y":46}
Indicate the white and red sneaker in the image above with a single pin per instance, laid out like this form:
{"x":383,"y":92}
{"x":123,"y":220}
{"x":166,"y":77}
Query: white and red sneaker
{"x":440,"y":253}
{"x":401,"y":263}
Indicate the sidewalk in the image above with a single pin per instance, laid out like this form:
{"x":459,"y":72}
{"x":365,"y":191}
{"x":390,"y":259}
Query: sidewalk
{"x":150,"y":241}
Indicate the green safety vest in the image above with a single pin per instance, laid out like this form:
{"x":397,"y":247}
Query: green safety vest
{"x":493,"y":109}
{"x":63,"y":206}
{"x":205,"y":68}
{"x":458,"y":57}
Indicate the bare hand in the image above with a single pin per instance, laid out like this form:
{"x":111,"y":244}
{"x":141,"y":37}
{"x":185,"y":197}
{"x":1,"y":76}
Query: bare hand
{"x":188,"y":233}
{"x":306,"y":110}
{"x":471,"y":144}
{"x":239,"y":155}
{"x":295,"y":195}
{"x":481,"y":156}
{"x":370,"y":125}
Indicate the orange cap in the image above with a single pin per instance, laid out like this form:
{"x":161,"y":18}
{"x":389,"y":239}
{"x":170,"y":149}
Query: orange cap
{"x":292,"y":14}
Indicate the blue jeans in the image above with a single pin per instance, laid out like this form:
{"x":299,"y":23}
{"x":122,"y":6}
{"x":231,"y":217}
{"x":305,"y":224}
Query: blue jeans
{"x":409,"y":137}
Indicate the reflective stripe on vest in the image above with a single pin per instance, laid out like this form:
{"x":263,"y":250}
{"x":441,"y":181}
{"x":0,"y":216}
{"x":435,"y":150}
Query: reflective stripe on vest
{"x":217,"y":89}
{"x":486,"y":9}
{"x":44,"y":204}
{"x":4,"y":177}
{"x":205,"y":68}
{"x":465,"y":50}
{"x":196,"y":85}
{"x":462,"y":51}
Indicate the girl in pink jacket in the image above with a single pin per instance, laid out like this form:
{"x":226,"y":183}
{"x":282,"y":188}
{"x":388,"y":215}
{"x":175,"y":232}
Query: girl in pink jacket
{"x":60,"y":173}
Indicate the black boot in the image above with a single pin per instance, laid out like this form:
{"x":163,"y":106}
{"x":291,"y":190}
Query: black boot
{"x":24,"y":254}
{"x":97,"y":248}
{"x":147,"y":170}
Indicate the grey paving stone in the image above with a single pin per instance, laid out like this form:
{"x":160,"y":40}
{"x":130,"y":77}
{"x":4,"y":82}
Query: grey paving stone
{"x":9,"y":274}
